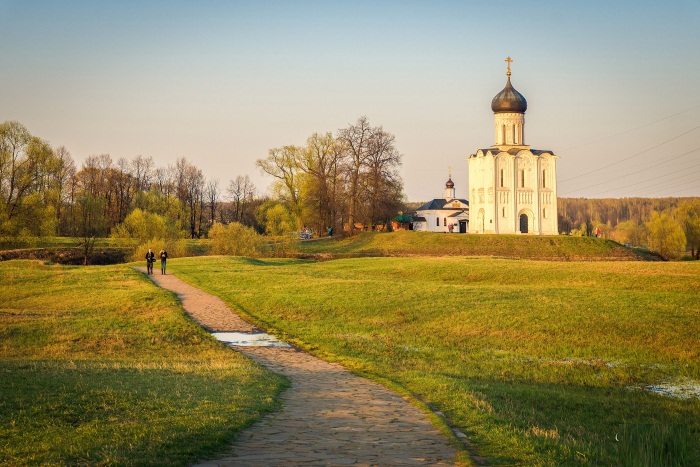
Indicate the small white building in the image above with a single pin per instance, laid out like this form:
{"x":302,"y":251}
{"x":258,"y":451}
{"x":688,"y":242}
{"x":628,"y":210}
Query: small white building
{"x":448,"y":214}
{"x":512,"y":188}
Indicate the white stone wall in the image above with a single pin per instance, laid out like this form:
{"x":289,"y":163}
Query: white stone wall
{"x":503,"y":187}
{"x":432,"y":217}
{"x":509,"y":129}
{"x":548,"y":195}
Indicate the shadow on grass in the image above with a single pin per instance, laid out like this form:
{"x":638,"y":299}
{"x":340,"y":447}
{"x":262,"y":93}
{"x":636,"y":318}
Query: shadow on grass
{"x":653,"y":444}
{"x":570,"y":423}
{"x":265,"y":262}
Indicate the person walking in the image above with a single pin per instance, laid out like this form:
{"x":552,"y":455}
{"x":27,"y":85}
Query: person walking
{"x":163,"y":258}
{"x":150,"y":259}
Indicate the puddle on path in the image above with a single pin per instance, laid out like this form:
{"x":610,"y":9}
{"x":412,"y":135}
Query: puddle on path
{"x":245,"y":339}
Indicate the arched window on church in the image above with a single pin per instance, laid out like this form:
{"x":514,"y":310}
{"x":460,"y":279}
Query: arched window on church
{"x":444,"y":221}
{"x":504,"y":212}
{"x":544,"y":213}
{"x":544,"y":178}
{"x":502,"y":181}
{"x":503,"y":141}
{"x":515,"y":137}
{"x":522,"y":178}
{"x":437,"y":221}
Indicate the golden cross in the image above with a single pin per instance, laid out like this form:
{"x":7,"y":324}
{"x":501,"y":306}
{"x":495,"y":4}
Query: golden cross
{"x":449,"y":167}
{"x":509,"y":61}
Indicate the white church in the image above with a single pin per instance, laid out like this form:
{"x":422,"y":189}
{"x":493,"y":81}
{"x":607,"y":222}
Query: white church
{"x":512,"y":188}
{"x":448,"y":214}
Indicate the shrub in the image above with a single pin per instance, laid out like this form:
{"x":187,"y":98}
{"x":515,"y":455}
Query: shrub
{"x":235,"y":239}
{"x":144,"y":225}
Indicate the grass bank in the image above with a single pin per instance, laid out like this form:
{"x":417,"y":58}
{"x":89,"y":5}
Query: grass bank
{"x":540,"y":363}
{"x":99,"y":366}
{"x":408,"y":243}
{"x":70,"y":250}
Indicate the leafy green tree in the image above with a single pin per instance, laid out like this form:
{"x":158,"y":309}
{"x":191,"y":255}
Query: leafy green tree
{"x":276,"y":218}
{"x":27,"y":164}
{"x":630,"y":231}
{"x":689,"y":215}
{"x":284,"y":165}
{"x":666,"y":236}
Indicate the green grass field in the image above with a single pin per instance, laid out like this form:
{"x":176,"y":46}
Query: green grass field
{"x":540,"y":363}
{"x":408,"y":243}
{"x":100,"y":367}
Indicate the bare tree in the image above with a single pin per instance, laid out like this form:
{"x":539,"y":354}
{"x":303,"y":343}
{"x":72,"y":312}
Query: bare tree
{"x":322,"y":162}
{"x":142,"y":171}
{"x":213,"y":192}
{"x":356,"y":141}
{"x":91,"y":221}
{"x":162,"y":180}
{"x":383,"y":182}
{"x":124,"y":188}
{"x":240,"y":191}
{"x":189,"y":183}
{"x":65,"y":172}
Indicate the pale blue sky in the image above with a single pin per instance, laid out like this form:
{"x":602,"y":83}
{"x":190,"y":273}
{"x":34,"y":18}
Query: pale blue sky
{"x":222,"y":82}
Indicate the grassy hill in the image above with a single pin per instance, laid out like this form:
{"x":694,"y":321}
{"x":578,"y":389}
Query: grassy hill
{"x":408,"y":243}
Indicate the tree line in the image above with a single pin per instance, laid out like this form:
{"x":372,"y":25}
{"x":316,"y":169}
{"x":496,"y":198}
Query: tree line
{"x":346,"y":179}
{"x":670,"y":226}
{"x":44,"y":193}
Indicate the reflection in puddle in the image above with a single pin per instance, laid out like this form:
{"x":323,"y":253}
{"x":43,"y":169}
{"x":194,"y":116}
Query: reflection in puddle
{"x":256,"y":339}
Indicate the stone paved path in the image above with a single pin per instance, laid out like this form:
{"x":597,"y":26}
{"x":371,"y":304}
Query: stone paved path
{"x":329,"y":417}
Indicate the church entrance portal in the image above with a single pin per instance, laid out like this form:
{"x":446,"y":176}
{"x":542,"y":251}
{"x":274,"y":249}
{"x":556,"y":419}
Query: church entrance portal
{"x":523,"y":223}
{"x":462,"y":226}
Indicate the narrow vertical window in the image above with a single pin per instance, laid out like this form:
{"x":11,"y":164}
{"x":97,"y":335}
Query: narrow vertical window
{"x":444,"y":221}
{"x":515,"y":136}
{"x":504,"y":212}
{"x":502,"y":178}
{"x":522,"y":178}
{"x":438,"y":221}
{"x":503,"y":135}
{"x":544,"y":178}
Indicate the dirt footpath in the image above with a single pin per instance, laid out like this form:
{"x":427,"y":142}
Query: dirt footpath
{"x":329,"y":416}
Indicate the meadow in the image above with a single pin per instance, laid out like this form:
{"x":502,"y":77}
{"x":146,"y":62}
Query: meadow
{"x":539,"y":363}
{"x":101,"y":367}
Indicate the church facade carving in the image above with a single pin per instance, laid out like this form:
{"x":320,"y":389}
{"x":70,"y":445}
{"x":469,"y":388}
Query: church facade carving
{"x":522,"y":179}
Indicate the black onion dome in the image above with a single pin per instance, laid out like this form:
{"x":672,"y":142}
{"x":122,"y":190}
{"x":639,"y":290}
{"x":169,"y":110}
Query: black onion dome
{"x":450,"y":183}
{"x":509,"y":100}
